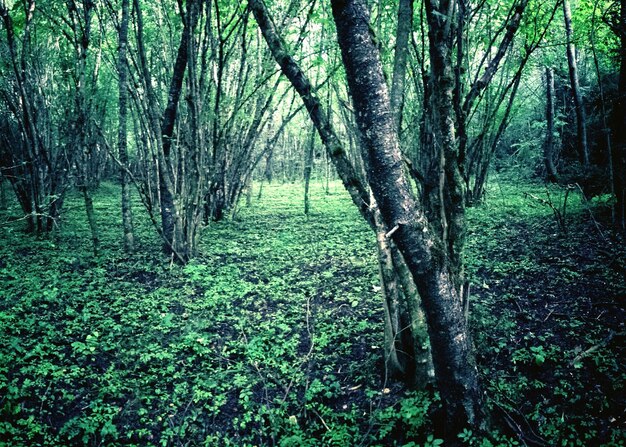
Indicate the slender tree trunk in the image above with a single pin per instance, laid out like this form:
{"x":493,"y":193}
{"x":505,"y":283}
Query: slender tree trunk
{"x":405,"y":25}
{"x":308,"y":167}
{"x":581,"y":117}
{"x":122,"y":141}
{"x":548,"y":149}
{"x":336,"y":152}
{"x":178,"y":243}
{"x":397,"y":360}
{"x":83,"y":123}
{"x":425,"y":253}
{"x":91,"y":218}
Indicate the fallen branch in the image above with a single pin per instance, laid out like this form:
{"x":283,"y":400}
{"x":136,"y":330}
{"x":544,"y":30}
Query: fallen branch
{"x":593,"y":349}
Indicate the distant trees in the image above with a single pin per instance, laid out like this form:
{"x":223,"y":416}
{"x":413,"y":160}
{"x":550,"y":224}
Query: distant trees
{"x":35,"y":165}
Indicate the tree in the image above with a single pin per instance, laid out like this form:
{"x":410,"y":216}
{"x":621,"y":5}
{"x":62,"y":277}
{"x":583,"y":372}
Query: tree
{"x":581,"y":117}
{"x":548,"y":150}
{"x":36,"y":167}
{"x":428,"y":257}
{"x":405,"y":337}
{"x":122,"y":138}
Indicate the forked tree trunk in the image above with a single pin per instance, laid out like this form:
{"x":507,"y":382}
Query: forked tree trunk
{"x":548,"y":149}
{"x":407,"y":348}
{"x":581,"y":116}
{"x":425,"y":253}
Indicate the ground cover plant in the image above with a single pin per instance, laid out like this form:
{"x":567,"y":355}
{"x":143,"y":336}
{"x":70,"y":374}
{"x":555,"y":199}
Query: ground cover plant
{"x":273,"y":334}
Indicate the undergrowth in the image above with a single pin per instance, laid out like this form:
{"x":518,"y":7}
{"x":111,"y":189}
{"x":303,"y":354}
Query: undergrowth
{"x":273,"y":335}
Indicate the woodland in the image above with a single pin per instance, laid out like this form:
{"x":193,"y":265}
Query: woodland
{"x":312,"y":223}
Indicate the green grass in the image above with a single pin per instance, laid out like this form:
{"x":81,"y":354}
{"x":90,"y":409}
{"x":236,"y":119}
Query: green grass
{"x":273,"y":334}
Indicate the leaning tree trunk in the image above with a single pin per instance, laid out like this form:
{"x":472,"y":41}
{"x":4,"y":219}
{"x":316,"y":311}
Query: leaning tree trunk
{"x":425,"y":253}
{"x":411,"y":332}
{"x":548,"y":149}
{"x":581,"y":118}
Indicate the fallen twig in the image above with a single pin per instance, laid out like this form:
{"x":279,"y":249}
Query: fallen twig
{"x":593,"y":349}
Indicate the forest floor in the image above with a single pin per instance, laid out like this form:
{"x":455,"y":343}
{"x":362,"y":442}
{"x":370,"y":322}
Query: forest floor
{"x":273,"y":335}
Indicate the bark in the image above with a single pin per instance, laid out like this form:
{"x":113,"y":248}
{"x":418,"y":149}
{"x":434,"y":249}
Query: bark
{"x":122,"y":140}
{"x":548,"y":149}
{"x":581,"y":118}
{"x":425,"y":254}
{"x":397,"y":360}
{"x":445,"y":205}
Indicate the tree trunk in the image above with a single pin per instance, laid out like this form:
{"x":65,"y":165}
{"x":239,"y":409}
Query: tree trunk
{"x":336,"y":152}
{"x":91,"y":219}
{"x":360,"y":193}
{"x":581,"y":118}
{"x":548,"y":149}
{"x":84,"y":148}
{"x":619,"y":127}
{"x":169,"y":213}
{"x":425,"y":253}
{"x":122,"y":141}
{"x":3,"y":194}
{"x":308,"y":167}
{"x":405,"y":25}
{"x":445,"y":205}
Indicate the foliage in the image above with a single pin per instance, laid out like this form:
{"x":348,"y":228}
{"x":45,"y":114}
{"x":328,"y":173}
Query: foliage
{"x":272,"y":336}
